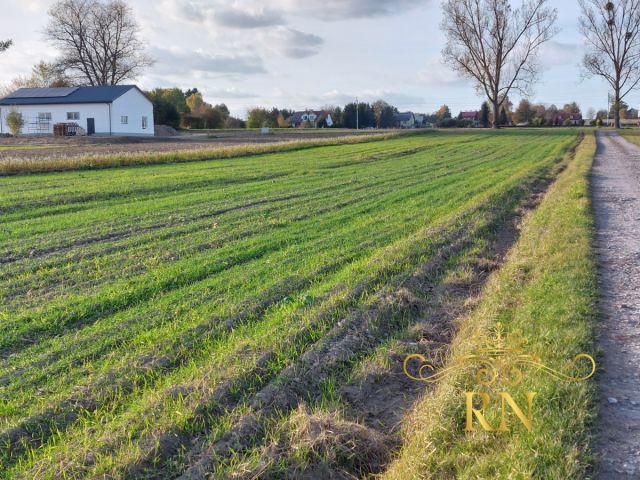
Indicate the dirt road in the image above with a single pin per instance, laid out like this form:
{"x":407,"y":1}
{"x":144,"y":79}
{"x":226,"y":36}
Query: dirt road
{"x":616,"y":197}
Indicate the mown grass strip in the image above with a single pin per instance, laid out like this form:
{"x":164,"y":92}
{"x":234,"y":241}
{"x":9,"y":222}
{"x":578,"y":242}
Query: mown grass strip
{"x":546,"y":290}
{"x":631,"y":134}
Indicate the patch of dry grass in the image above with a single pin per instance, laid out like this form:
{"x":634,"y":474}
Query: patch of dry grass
{"x":320,"y":444}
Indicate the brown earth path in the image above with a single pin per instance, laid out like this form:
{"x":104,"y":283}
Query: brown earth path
{"x":616,"y":200}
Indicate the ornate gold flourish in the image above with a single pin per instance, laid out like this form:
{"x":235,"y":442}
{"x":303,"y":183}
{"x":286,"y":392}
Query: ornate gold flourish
{"x":500,"y":357}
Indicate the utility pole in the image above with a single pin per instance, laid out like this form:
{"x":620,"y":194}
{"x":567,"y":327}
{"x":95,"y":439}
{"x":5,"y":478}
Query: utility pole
{"x":357,"y":114}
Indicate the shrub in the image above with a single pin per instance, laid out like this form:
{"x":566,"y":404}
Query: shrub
{"x":232,"y":122}
{"x":165,"y":113}
{"x":15,"y":122}
{"x":448,"y":123}
{"x":538,"y":122}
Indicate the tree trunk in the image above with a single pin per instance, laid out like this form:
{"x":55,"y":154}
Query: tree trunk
{"x":496,"y":115}
{"x":616,"y":110}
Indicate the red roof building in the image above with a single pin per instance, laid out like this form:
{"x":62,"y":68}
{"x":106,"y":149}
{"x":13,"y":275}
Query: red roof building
{"x":470,"y":116}
{"x":561,"y":118}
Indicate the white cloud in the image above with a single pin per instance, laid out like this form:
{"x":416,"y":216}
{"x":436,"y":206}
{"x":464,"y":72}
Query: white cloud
{"x":226,"y":24}
{"x":553,"y":54}
{"x":35,"y":6}
{"x":246,"y":19}
{"x":184,"y":10}
{"x":332,"y":10}
{"x":437,"y":74}
{"x":228,"y":93}
{"x":294,"y":43}
{"x":253,"y":13}
{"x":177,"y":61}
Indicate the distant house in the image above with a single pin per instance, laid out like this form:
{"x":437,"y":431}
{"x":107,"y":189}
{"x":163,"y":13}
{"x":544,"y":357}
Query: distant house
{"x":312,"y":118}
{"x":473,"y":117}
{"x":561,"y":118}
{"x":632,"y":114}
{"x":104,"y":110}
{"x":404,"y":120}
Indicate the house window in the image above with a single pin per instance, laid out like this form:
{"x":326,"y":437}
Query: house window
{"x":124,"y":120}
{"x":145,"y":123}
{"x":44,"y":117}
{"x":73,"y":115}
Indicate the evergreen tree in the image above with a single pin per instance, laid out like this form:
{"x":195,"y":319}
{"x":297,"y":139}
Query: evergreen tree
{"x":504,"y":117}
{"x":364,"y":118}
{"x":484,"y":115}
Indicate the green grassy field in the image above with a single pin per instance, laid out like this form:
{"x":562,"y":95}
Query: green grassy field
{"x":631,"y":134}
{"x":195,"y":317}
{"x":546,"y":290}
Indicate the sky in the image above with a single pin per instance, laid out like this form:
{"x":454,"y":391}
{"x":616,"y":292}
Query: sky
{"x":304,"y":54}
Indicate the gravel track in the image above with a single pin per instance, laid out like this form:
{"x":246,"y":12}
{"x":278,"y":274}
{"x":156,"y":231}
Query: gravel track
{"x":616,"y":198}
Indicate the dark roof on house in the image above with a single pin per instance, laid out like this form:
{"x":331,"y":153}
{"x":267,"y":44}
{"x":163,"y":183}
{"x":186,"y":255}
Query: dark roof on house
{"x":403,"y":117}
{"x":55,"y":96}
{"x":296,"y":117}
{"x":470,"y":114}
{"x":566,"y":115}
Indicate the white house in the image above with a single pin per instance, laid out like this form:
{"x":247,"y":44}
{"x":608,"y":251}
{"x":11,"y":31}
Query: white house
{"x":311,"y":117}
{"x":104,"y":110}
{"x":405,"y":120}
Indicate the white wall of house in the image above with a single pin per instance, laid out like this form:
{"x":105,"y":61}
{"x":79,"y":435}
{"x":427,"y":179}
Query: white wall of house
{"x":35,"y":115}
{"x":133,"y":106}
{"x":408,"y":123}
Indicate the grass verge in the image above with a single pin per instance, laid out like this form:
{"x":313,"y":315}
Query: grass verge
{"x":546,"y":290}
{"x":631,"y":134}
{"x":15,"y":166}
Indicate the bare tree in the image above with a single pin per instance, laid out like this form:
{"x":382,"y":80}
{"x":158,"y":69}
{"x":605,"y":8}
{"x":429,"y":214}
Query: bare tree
{"x":98,"y":40}
{"x":495,"y":45}
{"x":612,"y":33}
{"x":43,"y":75}
{"x":4,"y":45}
